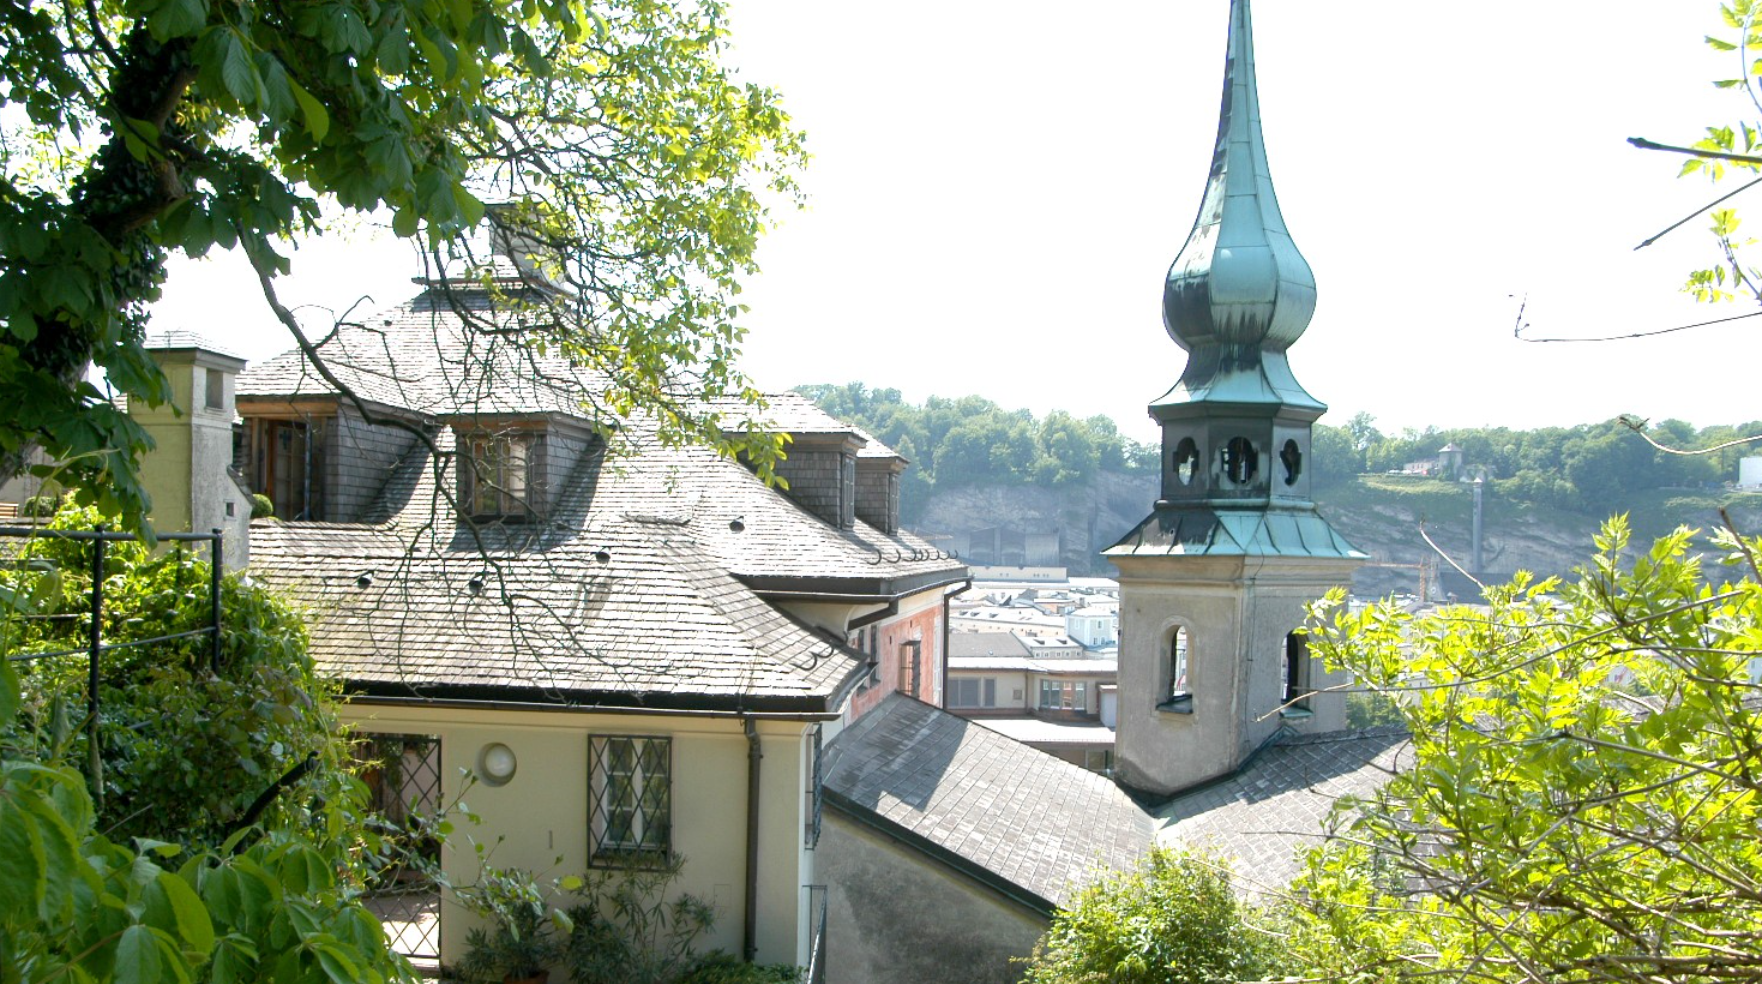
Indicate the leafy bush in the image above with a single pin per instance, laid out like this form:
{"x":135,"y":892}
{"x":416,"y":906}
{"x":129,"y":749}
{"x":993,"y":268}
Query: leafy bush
{"x":518,"y":942}
{"x":262,"y":715}
{"x":261,"y":506}
{"x":1579,"y":798}
{"x":625,"y":931}
{"x":724,"y":968}
{"x":275,"y":900}
{"x":1175,"y":920}
{"x":40,"y":506}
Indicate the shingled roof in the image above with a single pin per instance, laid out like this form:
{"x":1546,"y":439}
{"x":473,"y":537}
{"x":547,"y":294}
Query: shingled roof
{"x":630,"y":614}
{"x":1278,"y":806}
{"x":644,"y":583}
{"x":983,"y":802}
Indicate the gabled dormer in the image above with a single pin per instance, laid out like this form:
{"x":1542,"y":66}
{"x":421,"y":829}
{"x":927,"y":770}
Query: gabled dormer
{"x":819,"y":462}
{"x":512,"y":467}
{"x":879,"y":468}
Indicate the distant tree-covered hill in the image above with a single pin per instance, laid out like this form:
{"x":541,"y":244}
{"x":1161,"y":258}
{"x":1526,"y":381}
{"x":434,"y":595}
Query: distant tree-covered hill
{"x":977,"y":465}
{"x":969,"y":441}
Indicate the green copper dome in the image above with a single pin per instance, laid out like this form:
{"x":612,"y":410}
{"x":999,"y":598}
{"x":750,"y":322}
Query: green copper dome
{"x":1239,"y":293}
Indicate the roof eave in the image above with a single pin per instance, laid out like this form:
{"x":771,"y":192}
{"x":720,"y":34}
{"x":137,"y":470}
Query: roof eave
{"x":527,"y":696}
{"x":849,"y":590}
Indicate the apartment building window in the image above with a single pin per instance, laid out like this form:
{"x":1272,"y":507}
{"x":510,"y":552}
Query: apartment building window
{"x":1064,"y":695}
{"x":630,"y":806}
{"x":498,"y":476}
{"x":908,"y":666}
{"x":972,"y":692}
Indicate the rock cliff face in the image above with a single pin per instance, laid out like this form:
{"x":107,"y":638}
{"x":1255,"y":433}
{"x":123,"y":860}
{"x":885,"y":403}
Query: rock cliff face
{"x":1384,"y":518}
{"x":1088,"y":518}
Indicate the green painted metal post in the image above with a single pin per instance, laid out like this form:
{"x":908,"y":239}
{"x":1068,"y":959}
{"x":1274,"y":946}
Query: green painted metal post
{"x":214,"y":569}
{"x":94,"y":758}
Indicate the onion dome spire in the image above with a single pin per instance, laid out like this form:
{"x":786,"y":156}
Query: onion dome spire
{"x":1239,"y":293}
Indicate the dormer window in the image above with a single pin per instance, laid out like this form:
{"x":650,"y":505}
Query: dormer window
{"x":286,"y":461}
{"x":497,"y":474}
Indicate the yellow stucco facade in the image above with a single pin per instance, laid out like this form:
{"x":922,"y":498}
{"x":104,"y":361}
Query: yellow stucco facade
{"x":539,"y":819}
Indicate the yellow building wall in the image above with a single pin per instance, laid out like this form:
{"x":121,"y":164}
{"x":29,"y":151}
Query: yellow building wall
{"x":539,"y":819}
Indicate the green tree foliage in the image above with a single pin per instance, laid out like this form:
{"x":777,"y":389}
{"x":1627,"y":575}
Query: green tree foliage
{"x":1175,"y":920}
{"x":1592,"y":469}
{"x":973,"y":441}
{"x":185,"y":750}
{"x":1582,"y":801}
{"x":151,"y":888}
{"x":628,"y":162}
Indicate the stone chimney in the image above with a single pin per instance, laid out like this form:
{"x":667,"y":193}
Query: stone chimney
{"x":189,"y":473}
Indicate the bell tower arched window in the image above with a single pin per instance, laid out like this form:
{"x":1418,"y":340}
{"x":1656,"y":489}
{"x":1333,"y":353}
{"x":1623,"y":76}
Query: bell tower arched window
{"x":1295,"y":689}
{"x":1178,"y":696}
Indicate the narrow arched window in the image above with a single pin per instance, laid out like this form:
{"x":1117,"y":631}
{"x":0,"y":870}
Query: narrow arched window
{"x":1177,"y":691}
{"x":1178,"y":664}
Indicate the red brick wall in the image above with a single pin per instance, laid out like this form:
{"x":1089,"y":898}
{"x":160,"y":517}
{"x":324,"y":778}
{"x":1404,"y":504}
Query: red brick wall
{"x":925,"y":628}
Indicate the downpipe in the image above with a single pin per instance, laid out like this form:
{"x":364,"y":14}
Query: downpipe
{"x":750,"y":931}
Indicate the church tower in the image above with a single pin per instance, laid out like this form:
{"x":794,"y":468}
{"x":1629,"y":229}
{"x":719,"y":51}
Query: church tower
{"x":1214,"y":581}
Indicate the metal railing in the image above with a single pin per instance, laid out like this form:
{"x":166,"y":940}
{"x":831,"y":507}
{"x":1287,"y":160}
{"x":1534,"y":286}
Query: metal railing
{"x":95,"y":645}
{"x":817,"y":922}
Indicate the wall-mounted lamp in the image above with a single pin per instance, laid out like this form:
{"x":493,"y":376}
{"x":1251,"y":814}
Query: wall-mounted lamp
{"x":496,"y":764}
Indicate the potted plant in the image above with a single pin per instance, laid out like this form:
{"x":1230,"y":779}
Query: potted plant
{"x":518,"y":944}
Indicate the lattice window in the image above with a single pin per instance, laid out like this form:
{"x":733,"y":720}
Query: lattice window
{"x":631,"y":800}
{"x":403,"y":778}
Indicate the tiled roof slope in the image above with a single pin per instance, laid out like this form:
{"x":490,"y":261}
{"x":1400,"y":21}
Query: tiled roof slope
{"x":624,"y":613}
{"x":1268,"y":814}
{"x":796,"y":413}
{"x":778,"y":538}
{"x":983,"y":800}
{"x":985,"y":644}
{"x":416,"y":357}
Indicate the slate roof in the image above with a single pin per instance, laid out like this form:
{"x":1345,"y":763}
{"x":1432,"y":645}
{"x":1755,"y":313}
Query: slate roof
{"x":985,"y":644}
{"x":642,"y":584}
{"x":629,"y":615}
{"x":1271,"y":812}
{"x":418,"y":356}
{"x":983,"y":801}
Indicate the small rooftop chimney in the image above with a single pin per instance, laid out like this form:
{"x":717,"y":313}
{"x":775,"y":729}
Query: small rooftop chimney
{"x":189,"y":472}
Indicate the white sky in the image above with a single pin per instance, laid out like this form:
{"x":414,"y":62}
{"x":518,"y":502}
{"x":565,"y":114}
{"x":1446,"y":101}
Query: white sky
{"x":999,"y":187}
